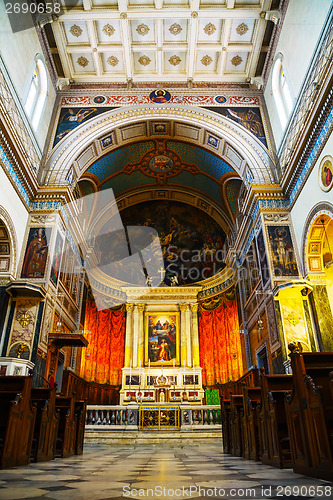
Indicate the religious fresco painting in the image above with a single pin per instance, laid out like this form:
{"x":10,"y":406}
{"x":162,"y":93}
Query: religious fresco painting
{"x":282,"y":251}
{"x":35,"y":257}
{"x":262,"y":257}
{"x":70,"y":118}
{"x":160,"y":96}
{"x":191,"y":241}
{"x":56,"y":259}
{"x":249,"y":117}
{"x":162,"y":338}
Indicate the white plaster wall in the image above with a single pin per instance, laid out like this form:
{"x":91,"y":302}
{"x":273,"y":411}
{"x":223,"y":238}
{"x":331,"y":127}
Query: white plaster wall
{"x":18,"y":51}
{"x":310,"y":196}
{"x":16,"y":210}
{"x":300,"y":32}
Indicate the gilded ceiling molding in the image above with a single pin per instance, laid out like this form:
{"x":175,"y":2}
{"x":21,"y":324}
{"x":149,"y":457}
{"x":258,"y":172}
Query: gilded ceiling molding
{"x":112,"y":60}
{"x":236,"y":60}
{"x":108,"y":29}
{"x":75,"y":30}
{"x":209,"y":29}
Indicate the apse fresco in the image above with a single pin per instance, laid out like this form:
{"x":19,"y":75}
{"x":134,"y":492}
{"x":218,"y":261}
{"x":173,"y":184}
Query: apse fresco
{"x":191,"y":241}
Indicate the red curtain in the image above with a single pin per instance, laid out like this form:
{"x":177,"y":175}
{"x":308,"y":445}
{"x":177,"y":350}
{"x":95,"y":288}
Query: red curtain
{"x":103,"y":359}
{"x":220,"y":346}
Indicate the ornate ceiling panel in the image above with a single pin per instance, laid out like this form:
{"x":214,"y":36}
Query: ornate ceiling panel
{"x":161,"y":40}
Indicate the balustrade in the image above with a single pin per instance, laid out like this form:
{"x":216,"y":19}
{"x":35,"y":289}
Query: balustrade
{"x":121,"y":417}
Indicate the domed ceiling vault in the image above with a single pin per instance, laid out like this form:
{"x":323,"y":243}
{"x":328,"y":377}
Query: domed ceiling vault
{"x":167,"y":163}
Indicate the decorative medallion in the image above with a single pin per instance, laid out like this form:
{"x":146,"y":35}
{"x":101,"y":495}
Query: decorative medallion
{"x":75,"y":30}
{"x":175,"y":29}
{"x":108,"y":29}
{"x":326,"y":173}
{"x":220,"y":99}
{"x":25,"y":319}
{"x":112,"y":60}
{"x":142,"y":29}
{"x":242,"y":29}
{"x":206,"y":60}
{"x":82,"y":61}
{"x":174,"y":60}
{"x":160,"y":164}
{"x":144,"y":60}
{"x":160,"y":96}
{"x":99,"y":99}
{"x":236,"y":60}
{"x":209,"y":28}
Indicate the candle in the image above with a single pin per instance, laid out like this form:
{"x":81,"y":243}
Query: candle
{"x":139,"y":373}
{"x":193,"y":372}
{"x":149,"y":372}
{"x":173,"y":371}
{"x":130,"y":380}
{"x":184,"y":372}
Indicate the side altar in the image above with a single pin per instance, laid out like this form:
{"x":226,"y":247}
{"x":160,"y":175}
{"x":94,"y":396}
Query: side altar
{"x":162,"y":362}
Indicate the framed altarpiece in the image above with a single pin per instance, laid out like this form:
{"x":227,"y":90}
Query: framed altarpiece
{"x":162,"y":338}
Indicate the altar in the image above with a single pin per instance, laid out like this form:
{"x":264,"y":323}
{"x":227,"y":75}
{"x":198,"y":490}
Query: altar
{"x":162,"y":362}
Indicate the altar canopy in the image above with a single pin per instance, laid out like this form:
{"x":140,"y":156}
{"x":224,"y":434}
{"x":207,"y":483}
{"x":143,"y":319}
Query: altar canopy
{"x":220,"y":347}
{"x":103,"y":359}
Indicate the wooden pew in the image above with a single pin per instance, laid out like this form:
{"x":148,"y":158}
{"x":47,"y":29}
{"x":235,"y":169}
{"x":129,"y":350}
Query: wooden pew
{"x":17,"y":420}
{"x":80,"y":417}
{"x":272,"y":421}
{"x":252,"y":399}
{"x":46,"y":425}
{"x":226,"y":425}
{"x":65,"y":443}
{"x":310,"y":413}
{"x":236,"y":414}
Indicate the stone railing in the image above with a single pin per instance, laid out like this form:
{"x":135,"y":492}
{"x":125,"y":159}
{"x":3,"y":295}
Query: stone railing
{"x":127,"y":417}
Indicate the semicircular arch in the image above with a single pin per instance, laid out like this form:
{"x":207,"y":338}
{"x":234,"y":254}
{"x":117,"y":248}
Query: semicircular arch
{"x":79,"y":149}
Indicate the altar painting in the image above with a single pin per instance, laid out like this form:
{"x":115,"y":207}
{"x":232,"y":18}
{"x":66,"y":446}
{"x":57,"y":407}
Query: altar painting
{"x":162,"y":338}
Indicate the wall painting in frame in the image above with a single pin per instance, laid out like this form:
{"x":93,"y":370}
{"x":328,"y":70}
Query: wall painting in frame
{"x":282,"y":251}
{"x":162,"y":338}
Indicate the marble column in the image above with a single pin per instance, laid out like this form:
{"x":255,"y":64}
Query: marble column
{"x":188,"y":335}
{"x":183,"y":337}
{"x":141,"y":337}
{"x":136,"y":316}
{"x":195,"y":335}
{"x":128,"y":335}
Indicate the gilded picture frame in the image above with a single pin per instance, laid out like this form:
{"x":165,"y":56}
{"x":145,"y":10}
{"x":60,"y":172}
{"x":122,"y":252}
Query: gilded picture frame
{"x":162,"y":338}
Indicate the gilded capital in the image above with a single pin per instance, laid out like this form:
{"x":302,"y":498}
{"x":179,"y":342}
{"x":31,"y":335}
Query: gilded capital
{"x":183,"y":306}
{"x":141,"y":307}
{"x":194,"y":308}
{"x":129,"y":308}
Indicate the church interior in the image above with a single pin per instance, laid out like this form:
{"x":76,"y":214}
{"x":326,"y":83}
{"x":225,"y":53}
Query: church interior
{"x":166,"y":238}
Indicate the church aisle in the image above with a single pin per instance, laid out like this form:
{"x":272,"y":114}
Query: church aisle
{"x":196,"y":471}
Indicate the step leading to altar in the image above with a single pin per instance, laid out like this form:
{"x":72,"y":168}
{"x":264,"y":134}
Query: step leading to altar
{"x":102,"y":435}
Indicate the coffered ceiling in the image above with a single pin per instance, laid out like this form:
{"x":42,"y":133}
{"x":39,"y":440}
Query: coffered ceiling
{"x":154,"y":40}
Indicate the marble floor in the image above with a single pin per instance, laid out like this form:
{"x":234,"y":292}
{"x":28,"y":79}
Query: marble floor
{"x":156,"y":471}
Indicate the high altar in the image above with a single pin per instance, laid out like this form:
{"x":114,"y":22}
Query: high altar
{"x":162,"y":361}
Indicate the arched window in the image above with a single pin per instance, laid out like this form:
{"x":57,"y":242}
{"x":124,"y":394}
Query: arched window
{"x":281,"y":90}
{"x":37,"y":92}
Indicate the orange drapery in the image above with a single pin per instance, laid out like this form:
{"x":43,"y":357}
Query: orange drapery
{"x":220,"y":347}
{"x":103,"y":359}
